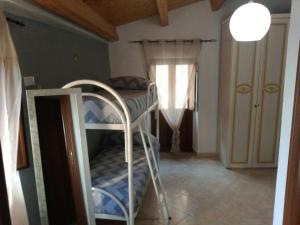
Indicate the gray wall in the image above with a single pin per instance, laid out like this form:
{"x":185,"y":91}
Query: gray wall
{"x":54,"y":57}
{"x":48,"y":54}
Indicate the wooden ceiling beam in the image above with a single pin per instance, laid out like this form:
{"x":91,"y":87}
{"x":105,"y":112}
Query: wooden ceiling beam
{"x":216,"y":4}
{"x":80,"y":13}
{"x":162,"y":6}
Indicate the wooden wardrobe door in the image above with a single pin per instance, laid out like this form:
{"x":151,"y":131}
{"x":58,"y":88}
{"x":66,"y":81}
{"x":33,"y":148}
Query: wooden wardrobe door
{"x":271,"y":75}
{"x":244,"y":99}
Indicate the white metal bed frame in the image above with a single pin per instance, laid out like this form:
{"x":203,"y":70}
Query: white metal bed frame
{"x":127,"y":125}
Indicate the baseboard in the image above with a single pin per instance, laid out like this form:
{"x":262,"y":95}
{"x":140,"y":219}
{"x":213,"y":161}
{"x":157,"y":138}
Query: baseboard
{"x":201,"y":155}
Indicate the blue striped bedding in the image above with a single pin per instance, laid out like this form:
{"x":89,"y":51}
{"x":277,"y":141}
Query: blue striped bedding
{"x":97,"y":111}
{"x":109,"y":172}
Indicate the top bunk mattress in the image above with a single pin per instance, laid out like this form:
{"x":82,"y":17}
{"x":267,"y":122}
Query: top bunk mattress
{"x":98,"y":111}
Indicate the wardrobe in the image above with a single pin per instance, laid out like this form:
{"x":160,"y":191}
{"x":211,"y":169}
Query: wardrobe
{"x":250,"y":97}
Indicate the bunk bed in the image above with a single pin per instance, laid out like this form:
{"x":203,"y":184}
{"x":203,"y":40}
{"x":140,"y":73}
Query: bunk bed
{"x":120,"y":173}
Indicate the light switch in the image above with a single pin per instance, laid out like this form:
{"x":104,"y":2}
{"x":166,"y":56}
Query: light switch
{"x":29,"y":81}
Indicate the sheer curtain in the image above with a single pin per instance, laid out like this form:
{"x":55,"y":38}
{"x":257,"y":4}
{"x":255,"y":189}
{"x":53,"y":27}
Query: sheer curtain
{"x":171,"y":64}
{"x":10,"y":103}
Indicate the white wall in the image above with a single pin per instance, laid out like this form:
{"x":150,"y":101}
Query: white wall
{"x":192,"y":21}
{"x":288,"y":101}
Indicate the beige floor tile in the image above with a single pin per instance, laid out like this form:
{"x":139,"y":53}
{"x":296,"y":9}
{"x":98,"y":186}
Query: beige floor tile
{"x":203,"y":192}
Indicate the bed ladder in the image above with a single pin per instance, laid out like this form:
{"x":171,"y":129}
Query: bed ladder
{"x":154,"y":171}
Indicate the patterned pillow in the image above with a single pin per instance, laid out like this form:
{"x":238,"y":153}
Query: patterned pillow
{"x":129,"y":83}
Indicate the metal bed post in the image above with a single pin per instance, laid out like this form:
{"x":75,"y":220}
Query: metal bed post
{"x":154,"y":171}
{"x":128,"y":138}
{"x":130,"y":171}
{"x":153,"y":165}
{"x":157,"y":114}
{"x":157,"y":121}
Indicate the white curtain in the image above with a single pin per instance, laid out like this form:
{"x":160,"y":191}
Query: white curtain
{"x":10,"y":103}
{"x":171,"y":64}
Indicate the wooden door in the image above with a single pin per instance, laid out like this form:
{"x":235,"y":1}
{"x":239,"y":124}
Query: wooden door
{"x":292,"y":198}
{"x":165,"y":132}
{"x":246,"y":62}
{"x":64,"y":197}
{"x":4,"y":207}
{"x":270,"y":90}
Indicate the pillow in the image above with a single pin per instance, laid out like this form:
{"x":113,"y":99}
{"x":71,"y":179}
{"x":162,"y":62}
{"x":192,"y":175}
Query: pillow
{"x":129,"y":83}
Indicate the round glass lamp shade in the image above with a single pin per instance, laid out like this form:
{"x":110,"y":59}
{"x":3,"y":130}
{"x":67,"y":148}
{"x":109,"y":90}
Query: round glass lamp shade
{"x":250,"y":22}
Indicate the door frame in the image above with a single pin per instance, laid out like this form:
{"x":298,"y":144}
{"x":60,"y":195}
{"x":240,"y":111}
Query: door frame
{"x":79,"y":142}
{"x":4,"y":206}
{"x":292,"y":198}
{"x":66,"y":112}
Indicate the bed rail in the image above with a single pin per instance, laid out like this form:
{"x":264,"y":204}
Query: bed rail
{"x":128,"y":134}
{"x":125,"y":116}
{"x":127,"y":125}
{"x":116,"y":200}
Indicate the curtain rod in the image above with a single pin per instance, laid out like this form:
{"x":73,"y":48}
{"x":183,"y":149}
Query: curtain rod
{"x":174,"y":41}
{"x":16,"y":22}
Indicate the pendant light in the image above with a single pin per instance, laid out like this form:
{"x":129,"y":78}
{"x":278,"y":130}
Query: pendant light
{"x":250,"y":22}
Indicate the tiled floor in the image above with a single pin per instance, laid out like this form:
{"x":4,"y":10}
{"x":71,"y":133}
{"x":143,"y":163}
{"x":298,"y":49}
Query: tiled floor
{"x":203,"y":192}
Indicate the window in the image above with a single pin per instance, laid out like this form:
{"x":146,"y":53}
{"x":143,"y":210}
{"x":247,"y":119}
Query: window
{"x":180,"y":82}
{"x":182,"y":73}
{"x":162,"y":82}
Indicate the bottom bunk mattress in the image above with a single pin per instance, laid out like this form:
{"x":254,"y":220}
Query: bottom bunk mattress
{"x":109,"y":172}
